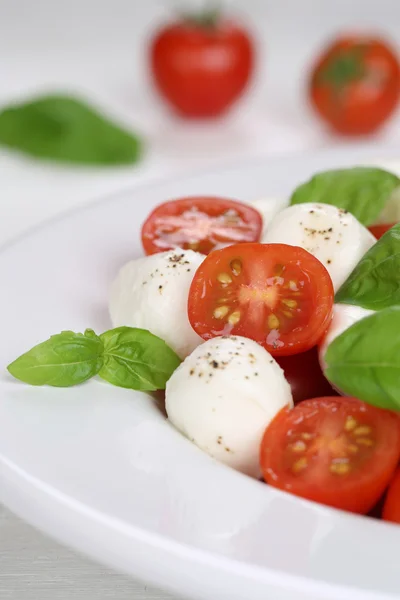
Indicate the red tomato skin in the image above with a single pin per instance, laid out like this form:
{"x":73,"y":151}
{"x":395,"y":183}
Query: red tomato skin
{"x":379,"y":230}
{"x":208,"y":204}
{"x":358,"y":107}
{"x":359,"y":496}
{"x":298,"y":340}
{"x":201,"y":71}
{"x":391,"y":508}
{"x":305,"y":376}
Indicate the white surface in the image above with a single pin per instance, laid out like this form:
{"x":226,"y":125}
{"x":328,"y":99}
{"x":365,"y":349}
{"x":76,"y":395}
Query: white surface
{"x":96,"y":48}
{"x":103,"y":471}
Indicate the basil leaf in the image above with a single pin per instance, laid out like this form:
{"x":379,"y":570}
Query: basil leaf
{"x":64,"y":360}
{"x":375,"y":282}
{"x":137,"y":359}
{"x":364,"y":361}
{"x":363,"y":191}
{"x":63,"y":128}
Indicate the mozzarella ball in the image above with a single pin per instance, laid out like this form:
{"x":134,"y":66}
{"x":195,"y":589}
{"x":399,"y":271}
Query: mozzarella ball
{"x":152,"y":293}
{"x":344,"y":316}
{"x":331,"y":234}
{"x":224,"y":395}
{"x":268,"y":208}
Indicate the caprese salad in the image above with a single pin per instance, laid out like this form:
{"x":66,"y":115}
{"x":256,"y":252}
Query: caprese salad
{"x":273,"y":326}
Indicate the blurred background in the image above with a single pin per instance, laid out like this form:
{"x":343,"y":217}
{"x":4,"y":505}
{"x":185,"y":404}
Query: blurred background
{"x":98,"y":50}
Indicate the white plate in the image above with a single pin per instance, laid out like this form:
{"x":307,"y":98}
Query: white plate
{"x":100,"y":469}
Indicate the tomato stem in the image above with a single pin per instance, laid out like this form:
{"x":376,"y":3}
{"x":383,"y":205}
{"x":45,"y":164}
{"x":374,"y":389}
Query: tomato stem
{"x":205,"y":19}
{"x":345,"y":68}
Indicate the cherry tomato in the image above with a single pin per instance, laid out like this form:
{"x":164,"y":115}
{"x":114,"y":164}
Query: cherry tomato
{"x":280,"y":296}
{"x":336,"y":451}
{"x":202,"y":65}
{"x":305,"y":376}
{"x":379,"y":230}
{"x":355,"y":85}
{"x":201,"y":224}
{"x":391,"y":508}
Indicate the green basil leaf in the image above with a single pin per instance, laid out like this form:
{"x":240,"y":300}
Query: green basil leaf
{"x":64,"y":360}
{"x":137,"y":359}
{"x":363,"y":191}
{"x":63,"y":128}
{"x":375,"y":282}
{"x":364,"y":361}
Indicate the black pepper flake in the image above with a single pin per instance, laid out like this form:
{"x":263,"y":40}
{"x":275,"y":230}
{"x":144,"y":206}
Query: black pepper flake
{"x":246,"y":377}
{"x":271,"y":361}
{"x":191,"y":372}
{"x":311,"y":213}
{"x":201,"y":374}
{"x":188,"y":270}
{"x":330,"y":229}
{"x":237,"y":354}
{"x":329,"y":261}
{"x":256,"y":374}
{"x":160,"y":287}
{"x":227,"y":449}
{"x":327,"y":238}
{"x":214,"y":364}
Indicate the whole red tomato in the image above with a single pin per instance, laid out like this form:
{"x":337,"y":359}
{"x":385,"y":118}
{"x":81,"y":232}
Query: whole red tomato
{"x":202,"y":65}
{"x":355,"y":85}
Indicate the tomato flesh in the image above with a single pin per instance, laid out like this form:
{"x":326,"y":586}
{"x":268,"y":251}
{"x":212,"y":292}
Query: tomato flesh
{"x":280,"y":296}
{"x":391,"y":508}
{"x":336,"y":451}
{"x":379,"y":230}
{"x":201,"y":224}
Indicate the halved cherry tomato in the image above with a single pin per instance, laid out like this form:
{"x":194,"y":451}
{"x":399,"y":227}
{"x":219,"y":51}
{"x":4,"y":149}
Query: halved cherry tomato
{"x":200,"y":223}
{"x":305,"y":376}
{"x":391,"y":508}
{"x":379,"y":230}
{"x":336,"y":451}
{"x":280,"y":296}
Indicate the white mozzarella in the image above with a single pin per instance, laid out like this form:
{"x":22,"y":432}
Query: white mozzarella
{"x":224,"y":395}
{"x":344,"y":316}
{"x":152,"y":293}
{"x":268,"y":208}
{"x":331,"y":234}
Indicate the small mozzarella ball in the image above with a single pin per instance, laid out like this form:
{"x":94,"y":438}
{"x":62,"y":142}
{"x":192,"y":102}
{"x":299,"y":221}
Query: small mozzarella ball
{"x":224,"y":395}
{"x":268,"y":208}
{"x":344,"y":316}
{"x":152,"y":293}
{"x":331,"y":234}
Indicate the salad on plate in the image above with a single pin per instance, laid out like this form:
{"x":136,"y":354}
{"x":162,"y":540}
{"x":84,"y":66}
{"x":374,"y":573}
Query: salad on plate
{"x":274,"y":328}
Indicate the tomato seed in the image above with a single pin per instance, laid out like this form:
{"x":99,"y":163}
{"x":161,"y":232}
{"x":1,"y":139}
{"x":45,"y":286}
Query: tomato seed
{"x":307,"y":436}
{"x":221,"y":312}
{"x":352,"y":448}
{"x":236,"y":266}
{"x":290,"y":303}
{"x":273,"y":322}
{"x":298,"y":446}
{"x":299,"y":465}
{"x":350,"y":423}
{"x":364,"y":442}
{"x":340,"y":468}
{"x":234,"y":318}
{"x":224,"y":278}
{"x":362,"y":430}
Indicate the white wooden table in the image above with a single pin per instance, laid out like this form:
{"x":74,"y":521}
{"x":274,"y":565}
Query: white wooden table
{"x":97,"y":49}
